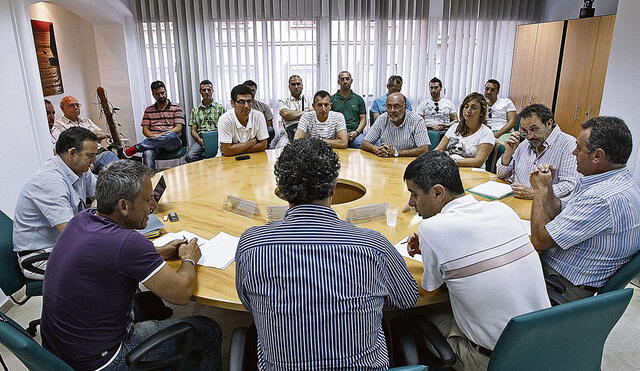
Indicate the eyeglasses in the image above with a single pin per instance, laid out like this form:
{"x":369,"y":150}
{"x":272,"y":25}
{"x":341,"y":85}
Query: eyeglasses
{"x":489,"y":112}
{"x":532,"y":130}
{"x":243,"y":102}
{"x":437,"y":107}
{"x":395,"y":107}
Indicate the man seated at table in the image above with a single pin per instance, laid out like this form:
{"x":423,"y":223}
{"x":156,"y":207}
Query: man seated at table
{"x":95,"y":270}
{"x":379,"y":105}
{"x":58,"y":190}
{"x":545,"y":143}
{"x":242,"y":130}
{"x":203,"y":119}
{"x":480,"y":250}
{"x":587,"y":237}
{"x":399,"y":132}
{"x":317,"y":278}
{"x":323,"y":123}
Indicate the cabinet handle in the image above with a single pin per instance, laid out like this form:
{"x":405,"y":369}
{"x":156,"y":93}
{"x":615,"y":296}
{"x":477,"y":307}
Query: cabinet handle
{"x":589,"y":112}
{"x":575,"y":112}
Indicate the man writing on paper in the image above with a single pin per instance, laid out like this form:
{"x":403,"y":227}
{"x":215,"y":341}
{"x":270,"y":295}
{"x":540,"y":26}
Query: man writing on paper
{"x":480,"y":250}
{"x":316,"y":285}
{"x":590,"y":235}
{"x":94,"y":272}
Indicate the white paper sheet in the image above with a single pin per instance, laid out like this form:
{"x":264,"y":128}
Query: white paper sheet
{"x":402,"y":249}
{"x":160,"y":241}
{"x":492,"y":189}
{"x":220,"y":251}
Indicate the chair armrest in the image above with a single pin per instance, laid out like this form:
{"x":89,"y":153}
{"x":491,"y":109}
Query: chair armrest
{"x":404,"y":349}
{"x":236,"y":349}
{"x":28,"y":262}
{"x":426,"y":332}
{"x":177,"y":361}
{"x":555,"y":289}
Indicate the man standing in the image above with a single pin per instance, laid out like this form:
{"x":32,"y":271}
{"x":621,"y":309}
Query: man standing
{"x":594,"y":232}
{"x":323,"y":123}
{"x":203,"y":119}
{"x":501,"y":113}
{"x":58,"y":191}
{"x":162,"y":125}
{"x":480,"y":250}
{"x":261,"y":107}
{"x":379,"y":106}
{"x":400,"y":132}
{"x":352,"y":107}
{"x":292,"y":108}
{"x":316,"y":285}
{"x":438,"y":113}
{"x":51,"y":119}
{"x":544,"y":143}
{"x":86,"y":319}
{"x":242,"y":130}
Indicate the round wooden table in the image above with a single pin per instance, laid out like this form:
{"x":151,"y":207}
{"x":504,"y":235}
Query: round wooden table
{"x":197,"y":191}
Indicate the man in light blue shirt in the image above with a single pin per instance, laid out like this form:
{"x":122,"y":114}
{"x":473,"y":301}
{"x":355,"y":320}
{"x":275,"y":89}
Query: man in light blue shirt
{"x":379,"y":106}
{"x":58,"y":191}
{"x":589,"y":236}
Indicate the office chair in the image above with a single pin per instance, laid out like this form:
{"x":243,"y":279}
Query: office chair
{"x":210,"y":144}
{"x":180,"y":152}
{"x":490,"y":164}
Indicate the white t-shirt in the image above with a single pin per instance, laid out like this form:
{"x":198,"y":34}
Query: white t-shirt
{"x":436,"y":113}
{"x":483,"y":253}
{"x":231,"y":131}
{"x":310,"y":125}
{"x":499,"y":113}
{"x":460,"y":147}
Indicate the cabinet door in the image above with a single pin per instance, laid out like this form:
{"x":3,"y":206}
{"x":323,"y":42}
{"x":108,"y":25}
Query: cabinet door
{"x":577,"y":61}
{"x":599,"y":69}
{"x":522,"y":64}
{"x":545,"y":63}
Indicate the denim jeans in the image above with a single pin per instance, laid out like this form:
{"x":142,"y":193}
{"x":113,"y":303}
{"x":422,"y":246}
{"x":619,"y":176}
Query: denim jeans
{"x":151,"y":147}
{"x":103,"y":160}
{"x":357,"y":141}
{"x":205,"y":352}
{"x":194,"y":153}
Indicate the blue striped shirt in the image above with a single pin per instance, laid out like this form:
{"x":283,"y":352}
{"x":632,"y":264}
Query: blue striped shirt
{"x":316,"y":287}
{"x":598,"y":229}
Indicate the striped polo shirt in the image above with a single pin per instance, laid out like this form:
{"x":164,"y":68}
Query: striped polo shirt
{"x":316,"y":287}
{"x":162,"y":120}
{"x":598,"y":229}
{"x":310,"y":125}
{"x":412,"y":133}
{"x":557,"y":152}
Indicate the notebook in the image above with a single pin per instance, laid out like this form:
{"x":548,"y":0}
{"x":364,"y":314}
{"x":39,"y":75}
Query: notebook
{"x":492,"y":190}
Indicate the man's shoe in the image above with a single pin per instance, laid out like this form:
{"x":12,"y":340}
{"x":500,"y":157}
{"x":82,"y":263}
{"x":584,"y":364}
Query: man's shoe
{"x":130,"y":151}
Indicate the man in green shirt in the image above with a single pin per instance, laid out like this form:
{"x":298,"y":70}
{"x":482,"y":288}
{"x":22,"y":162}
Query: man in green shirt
{"x":204,"y":118}
{"x":352,"y":107}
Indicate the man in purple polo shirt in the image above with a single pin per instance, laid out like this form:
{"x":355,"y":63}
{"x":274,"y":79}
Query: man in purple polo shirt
{"x":94,"y":272}
{"x":162,"y":125}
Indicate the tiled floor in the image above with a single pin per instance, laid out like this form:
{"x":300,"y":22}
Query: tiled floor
{"x":621,"y":351}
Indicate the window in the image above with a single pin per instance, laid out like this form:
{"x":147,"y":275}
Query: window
{"x":160,"y":55}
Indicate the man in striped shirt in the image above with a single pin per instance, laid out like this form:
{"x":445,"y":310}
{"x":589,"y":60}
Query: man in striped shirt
{"x":398,"y":131}
{"x":545,"y":143}
{"x":323,"y":123}
{"x":316,"y":285}
{"x":589,"y":236}
{"x":203,"y":119}
{"x":162,"y":125}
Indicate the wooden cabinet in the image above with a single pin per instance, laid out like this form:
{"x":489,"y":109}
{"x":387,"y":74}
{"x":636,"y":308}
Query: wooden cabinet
{"x":535,"y":63}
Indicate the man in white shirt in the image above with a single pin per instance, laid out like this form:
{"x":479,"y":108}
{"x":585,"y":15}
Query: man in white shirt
{"x":501,"y":113}
{"x":438,"y":113}
{"x":480,"y":250}
{"x":242,"y":130}
{"x":323,"y":123}
{"x":292,"y":107}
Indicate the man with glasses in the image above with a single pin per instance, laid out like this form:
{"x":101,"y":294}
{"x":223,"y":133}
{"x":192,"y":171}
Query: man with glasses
{"x":540,"y":141}
{"x":352,"y":106}
{"x":203,"y":119}
{"x":397,"y":132}
{"x":379,"y":106}
{"x":501,"y":112}
{"x":242,"y":130}
{"x":438,"y":112}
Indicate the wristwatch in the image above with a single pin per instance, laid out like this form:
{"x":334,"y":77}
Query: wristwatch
{"x":190,"y":261}
{"x":395,"y":152}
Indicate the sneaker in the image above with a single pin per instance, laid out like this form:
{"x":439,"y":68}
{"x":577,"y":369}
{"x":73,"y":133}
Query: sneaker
{"x":130,"y":151}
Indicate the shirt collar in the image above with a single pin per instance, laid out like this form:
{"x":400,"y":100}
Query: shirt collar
{"x":292,"y":99}
{"x":458,"y":203}
{"x":341,"y":97}
{"x":239,"y":124}
{"x":310,"y":210}
{"x":166,"y":107}
{"x":66,"y":171}
{"x":589,"y":180}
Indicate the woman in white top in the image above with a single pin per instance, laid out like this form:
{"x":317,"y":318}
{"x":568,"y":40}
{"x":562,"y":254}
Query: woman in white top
{"x":470,"y":141}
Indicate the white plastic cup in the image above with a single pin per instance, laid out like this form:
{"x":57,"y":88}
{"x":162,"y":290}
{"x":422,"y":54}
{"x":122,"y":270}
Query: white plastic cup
{"x":392,"y":215}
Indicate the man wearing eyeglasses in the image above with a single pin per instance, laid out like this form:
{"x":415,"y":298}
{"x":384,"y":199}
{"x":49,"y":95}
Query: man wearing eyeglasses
{"x":540,"y":140}
{"x":397,"y":132}
{"x":438,"y":112}
{"x":242,"y":130}
{"x":501,"y":112}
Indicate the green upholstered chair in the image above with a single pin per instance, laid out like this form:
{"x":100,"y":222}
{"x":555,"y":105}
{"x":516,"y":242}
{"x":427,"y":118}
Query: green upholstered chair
{"x":410,"y":368}
{"x":434,"y":138}
{"x":11,"y":277}
{"x":490,"y":164}
{"x":210,"y":144}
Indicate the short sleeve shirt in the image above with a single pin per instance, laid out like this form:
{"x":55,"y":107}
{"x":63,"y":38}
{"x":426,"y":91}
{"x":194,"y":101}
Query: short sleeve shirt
{"x":205,"y":119}
{"x":290,"y":103}
{"x":379,"y":105}
{"x":412,"y":133}
{"x":499,"y":111}
{"x":53,"y":196}
{"x":162,"y":120}
{"x":310,"y":125}
{"x":264,"y":108}
{"x":63,"y":123}
{"x":351,"y":107}
{"x":231,"y":131}
{"x":436,"y":113}
{"x":460,"y":147}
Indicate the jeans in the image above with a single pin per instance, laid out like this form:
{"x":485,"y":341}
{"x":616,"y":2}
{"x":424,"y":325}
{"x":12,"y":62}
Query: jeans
{"x":205,"y":352}
{"x":103,"y":160}
{"x":357,"y":141}
{"x":151,"y":147}
{"x":194,"y":153}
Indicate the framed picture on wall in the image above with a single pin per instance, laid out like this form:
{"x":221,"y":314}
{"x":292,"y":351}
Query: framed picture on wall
{"x":47,"y":53}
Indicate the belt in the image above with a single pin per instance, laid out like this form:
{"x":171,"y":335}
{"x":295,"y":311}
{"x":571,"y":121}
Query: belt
{"x":25,"y":253}
{"x":481,"y":349}
{"x":589,"y":288}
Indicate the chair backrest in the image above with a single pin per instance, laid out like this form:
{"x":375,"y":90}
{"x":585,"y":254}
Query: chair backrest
{"x":30,"y":353}
{"x":623,"y":276}
{"x":410,"y":368}
{"x":434,"y":138}
{"x":11,"y":278}
{"x":565,"y":337}
{"x":210,"y":144}
{"x":490,"y":164}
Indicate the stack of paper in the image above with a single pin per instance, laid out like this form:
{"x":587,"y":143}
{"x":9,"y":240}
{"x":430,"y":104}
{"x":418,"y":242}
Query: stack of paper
{"x":492,"y":190}
{"x":153,"y":227}
{"x":402,"y":249}
{"x":220,"y":251}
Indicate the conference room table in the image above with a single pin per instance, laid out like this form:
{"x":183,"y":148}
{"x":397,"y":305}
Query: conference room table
{"x":197,"y":192}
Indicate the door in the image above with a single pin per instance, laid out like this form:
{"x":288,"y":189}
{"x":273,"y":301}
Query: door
{"x":545,"y":63}
{"x":599,"y":69}
{"x":522,"y":66}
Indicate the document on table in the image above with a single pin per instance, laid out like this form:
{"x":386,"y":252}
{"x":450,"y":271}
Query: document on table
{"x":220,"y":251}
{"x":402,"y":249}
{"x":492,"y":189}
{"x":161,"y":241}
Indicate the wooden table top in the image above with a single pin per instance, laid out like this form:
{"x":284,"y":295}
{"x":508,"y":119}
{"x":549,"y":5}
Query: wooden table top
{"x":197,"y":191}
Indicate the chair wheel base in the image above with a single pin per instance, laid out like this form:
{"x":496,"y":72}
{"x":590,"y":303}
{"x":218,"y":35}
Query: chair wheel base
{"x":32,"y":330}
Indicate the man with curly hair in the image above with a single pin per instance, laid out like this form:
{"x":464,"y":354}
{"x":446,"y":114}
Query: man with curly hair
{"x":316,"y":285}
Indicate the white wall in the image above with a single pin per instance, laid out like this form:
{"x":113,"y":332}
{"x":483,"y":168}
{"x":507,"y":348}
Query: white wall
{"x":620,"y":97}
{"x":556,"y":10}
